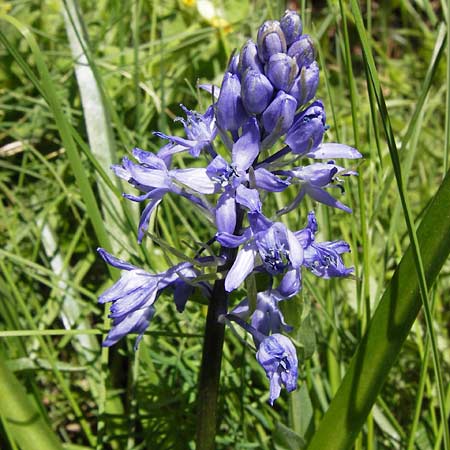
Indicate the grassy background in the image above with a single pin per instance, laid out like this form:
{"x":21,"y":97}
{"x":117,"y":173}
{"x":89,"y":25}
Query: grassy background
{"x":57,"y":206}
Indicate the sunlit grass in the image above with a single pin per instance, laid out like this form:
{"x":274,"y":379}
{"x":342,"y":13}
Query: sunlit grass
{"x":145,"y":59}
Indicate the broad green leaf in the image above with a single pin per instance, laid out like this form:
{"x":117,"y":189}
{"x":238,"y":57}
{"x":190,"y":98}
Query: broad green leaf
{"x":24,"y":421}
{"x":387,"y":331}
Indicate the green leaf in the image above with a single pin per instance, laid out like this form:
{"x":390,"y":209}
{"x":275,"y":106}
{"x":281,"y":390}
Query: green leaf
{"x":387,"y":331}
{"x":22,"y":418}
{"x":287,"y":439}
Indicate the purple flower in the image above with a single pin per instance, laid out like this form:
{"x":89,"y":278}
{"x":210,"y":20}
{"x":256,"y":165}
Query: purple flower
{"x":257,"y":91}
{"x":302,"y":50}
{"x":231,"y":176}
{"x":233,"y":64}
{"x":308,"y":128}
{"x":270,"y":40}
{"x":291,"y":25}
{"x":305,"y":85}
{"x":278,"y":357}
{"x":322,"y":258}
{"x":279,"y":115}
{"x":249,"y":59}
{"x":314,"y":179}
{"x":153,"y":177}
{"x":281,"y":70}
{"x":269,"y":244}
{"x":267,"y":317}
{"x":134,"y":294}
{"x":230,"y":112}
{"x":200,"y":132}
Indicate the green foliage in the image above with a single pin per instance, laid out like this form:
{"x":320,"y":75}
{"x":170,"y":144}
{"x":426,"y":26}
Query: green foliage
{"x":145,"y":59}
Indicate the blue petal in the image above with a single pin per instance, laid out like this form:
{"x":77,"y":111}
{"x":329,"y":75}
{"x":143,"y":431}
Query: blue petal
{"x":226,"y":212}
{"x":136,"y":322}
{"x":157,"y":196}
{"x":278,"y":357}
{"x":166,"y":152}
{"x":195,"y":178}
{"x":121,"y":172}
{"x":181,"y":294}
{"x":242,"y":267}
{"x":148,"y":177}
{"x":187,"y":143}
{"x":333,"y":150}
{"x":324,"y":197}
{"x":211,"y":89}
{"x":290,"y":284}
{"x":150,"y":159}
{"x":258,"y":222}
{"x":246,"y":148}
{"x":113,"y":261}
{"x":269,"y":182}
{"x":248,"y":198}
{"x":231,"y":240}
{"x":230,"y":112}
{"x":295,"y":250}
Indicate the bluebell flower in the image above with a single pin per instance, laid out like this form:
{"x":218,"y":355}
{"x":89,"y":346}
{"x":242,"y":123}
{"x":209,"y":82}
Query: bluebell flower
{"x":265,"y":95}
{"x":231,"y":176}
{"x":279,"y":115}
{"x":291,"y":25}
{"x":314,"y":179}
{"x":302,"y":50}
{"x":249,"y":59}
{"x":281,"y":70}
{"x":257,"y":91}
{"x":276,"y":354}
{"x":305,"y":85}
{"x":152,"y":177}
{"x":134,"y":294}
{"x":229,"y":110}
{"x":323,"y":259}
{"x":269,"y":244}
{"x":278,"y":357}
{"x":306,"y":132}
{"x":270,"y":40}
{"x":267,"y":317}
{"x":233,"y":64}
{"x":200,"y":132}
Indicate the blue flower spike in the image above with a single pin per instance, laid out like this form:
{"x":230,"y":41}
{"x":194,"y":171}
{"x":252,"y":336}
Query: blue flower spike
{"x":264,"y":132}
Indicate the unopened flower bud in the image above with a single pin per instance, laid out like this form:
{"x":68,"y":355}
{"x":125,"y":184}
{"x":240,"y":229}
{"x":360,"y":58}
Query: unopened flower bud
{"x":249,"y":59}
{"x":233,"y":64}
{"x":303,"y":51}
{"x":281,"y":70}
{"x":305,"y":85}
{"x":307,"y":131}
{"x":279,"y":115}
{"x":291,"y":24}
{"x":256,"y":92}
{"x":270,"y":40}
{"x":230,"y":112}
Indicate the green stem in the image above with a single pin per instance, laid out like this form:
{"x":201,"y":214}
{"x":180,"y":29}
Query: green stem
{"x":209,"y":380}
{"x":208,"y":389}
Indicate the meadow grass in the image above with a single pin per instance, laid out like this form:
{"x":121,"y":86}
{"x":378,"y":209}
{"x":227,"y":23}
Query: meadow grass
{"x":80,"y":87}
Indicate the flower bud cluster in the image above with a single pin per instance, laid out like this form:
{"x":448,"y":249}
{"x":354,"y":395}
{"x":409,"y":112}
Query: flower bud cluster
{"x":266,"y":97}
{"x":270,"y":79}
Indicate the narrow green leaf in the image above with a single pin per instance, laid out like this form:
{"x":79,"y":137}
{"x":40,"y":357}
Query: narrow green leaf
{"x":387,"y":331}
{"x":287,"y":439}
